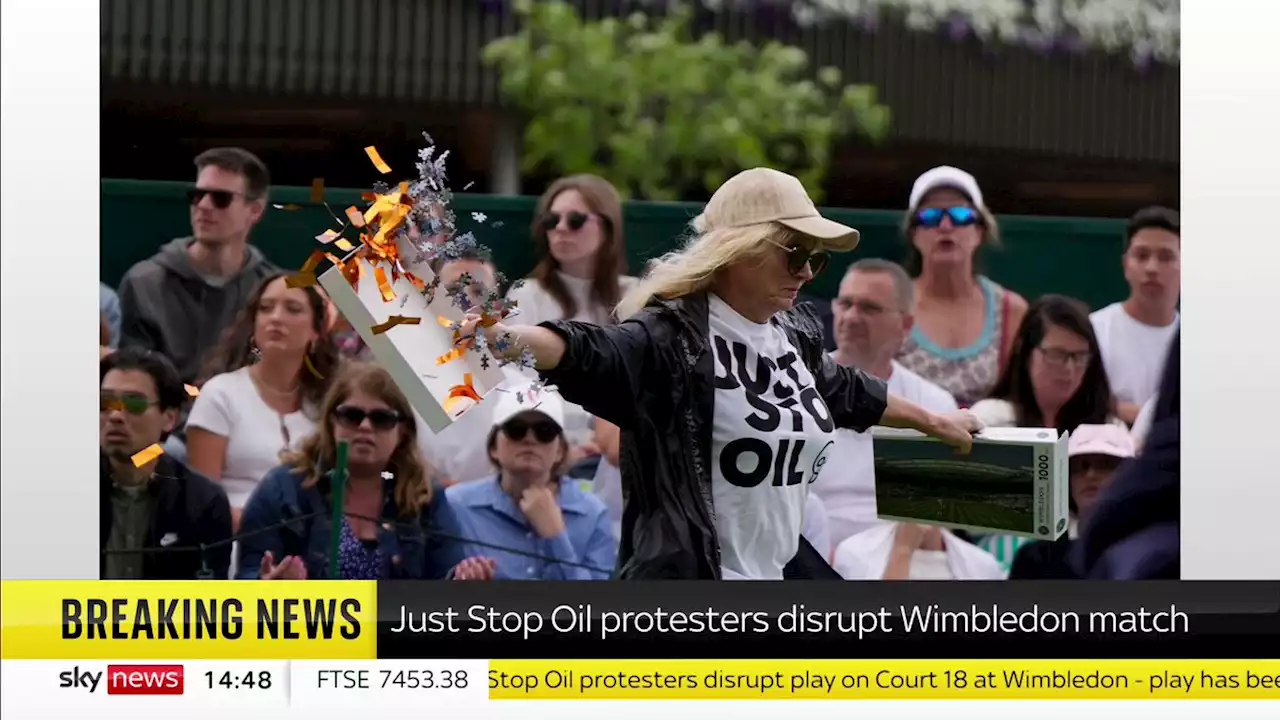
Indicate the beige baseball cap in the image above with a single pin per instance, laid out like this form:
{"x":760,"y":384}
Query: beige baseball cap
{"x":762,"y":195}
{"x":1109,"y":439}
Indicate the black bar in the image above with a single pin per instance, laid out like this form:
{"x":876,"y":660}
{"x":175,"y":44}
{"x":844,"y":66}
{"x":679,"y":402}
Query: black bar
{"x":1223,"y":620}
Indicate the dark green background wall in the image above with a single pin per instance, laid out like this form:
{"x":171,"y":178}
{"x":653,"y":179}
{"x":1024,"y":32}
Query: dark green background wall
{"x":1078,"y":257}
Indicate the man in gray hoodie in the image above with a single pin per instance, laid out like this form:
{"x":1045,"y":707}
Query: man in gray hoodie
{"x":179,"y":301}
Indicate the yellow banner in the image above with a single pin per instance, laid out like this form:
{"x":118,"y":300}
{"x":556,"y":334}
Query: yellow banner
{"x":884,"y":680}
{"x":207,"y":620}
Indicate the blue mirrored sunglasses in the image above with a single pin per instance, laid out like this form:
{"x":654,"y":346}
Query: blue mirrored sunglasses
{"x":960,"y":216}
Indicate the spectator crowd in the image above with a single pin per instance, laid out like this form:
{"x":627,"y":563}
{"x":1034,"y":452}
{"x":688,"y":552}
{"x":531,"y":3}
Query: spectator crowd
{"x":250,"y":385}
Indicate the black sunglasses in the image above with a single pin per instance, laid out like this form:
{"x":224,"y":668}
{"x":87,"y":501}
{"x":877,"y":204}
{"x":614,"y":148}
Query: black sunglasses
{"x":575,"y":220}
{"x":130,"y":403}
{"x":544,"y":430}
{"x":800,"y":255}
{"x":932,"y":217}
{"x":353,"y":417}
{"x":221,"y":198}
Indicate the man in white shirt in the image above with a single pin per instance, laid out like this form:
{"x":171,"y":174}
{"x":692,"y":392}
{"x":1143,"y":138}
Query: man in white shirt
{"x":1134,"y":335}
{"x":872,"y":315}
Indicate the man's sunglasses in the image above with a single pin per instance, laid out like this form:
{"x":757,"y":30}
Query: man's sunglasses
{"x":354,"y":417}
{"x":800,"y":255}
{"x":575,"y":220}
{"x":221,"y":198}
{"x":130,"y":403}
{"x":932,"y":217}
{"x":543,"y":430}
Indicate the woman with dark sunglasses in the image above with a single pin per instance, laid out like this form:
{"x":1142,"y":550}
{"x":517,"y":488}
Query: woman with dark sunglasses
{"x":726,"y":401}
{"x":964,"y":322}
{"x":580,"y":275}
{"x":397,"y":525}
{"x":555,"y":527}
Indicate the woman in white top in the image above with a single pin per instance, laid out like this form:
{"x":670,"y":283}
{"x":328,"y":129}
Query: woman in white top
{"x":265,"y":380}
{"x":577,"y":231}
{"x":1055,"y":378}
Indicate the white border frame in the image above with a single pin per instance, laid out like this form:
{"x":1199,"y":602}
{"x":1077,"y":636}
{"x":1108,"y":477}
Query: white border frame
{"x":49,"y":261}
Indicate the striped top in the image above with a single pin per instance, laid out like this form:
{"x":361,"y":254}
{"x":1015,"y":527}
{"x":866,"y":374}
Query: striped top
{"x":967,"y":373}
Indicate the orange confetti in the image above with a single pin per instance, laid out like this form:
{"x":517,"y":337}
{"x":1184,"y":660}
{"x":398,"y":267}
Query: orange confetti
{"x":327,"y":237}
{"x":453,"y":354}
{"x":317,"y":191}
{"x":377,"y":160}
{"x":444,"y":321}
{"x":393,"y":321}
{"x":355,"y":217}
{"x":344,"y":245}
{"x":384,"y":286}
{"x":142,"y":457}
{"x":457,"y":393}
{"x":415,"y":281}
{"x":306,"y":276}
{"x":192,"y":390}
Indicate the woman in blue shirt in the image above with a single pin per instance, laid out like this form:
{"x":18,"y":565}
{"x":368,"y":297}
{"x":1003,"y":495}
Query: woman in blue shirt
{"x":553,"y":527}
{"x":397,"y":526}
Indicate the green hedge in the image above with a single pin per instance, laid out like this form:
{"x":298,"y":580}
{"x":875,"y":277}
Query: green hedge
{"x":1074,"y":256}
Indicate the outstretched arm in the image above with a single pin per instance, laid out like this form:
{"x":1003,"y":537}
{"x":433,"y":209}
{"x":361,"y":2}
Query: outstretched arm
{"x":602,"y":368}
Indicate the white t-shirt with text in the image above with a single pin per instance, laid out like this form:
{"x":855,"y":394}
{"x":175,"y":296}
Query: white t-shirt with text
{"x":848,"y":488}
{"x":229,"y":405}
{"x":1133,"y":352}
{"x":771,"y":435}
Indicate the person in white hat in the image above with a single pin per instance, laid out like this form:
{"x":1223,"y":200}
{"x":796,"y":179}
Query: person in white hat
{"x":727,"y":403}
{"x":1096,"y":452}
{"x":552,"y":527}
{"x":964,"y":322}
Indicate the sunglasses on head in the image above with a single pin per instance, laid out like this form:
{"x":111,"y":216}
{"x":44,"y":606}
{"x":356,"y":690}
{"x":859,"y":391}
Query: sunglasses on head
{"x":131,"y":403}
{"x":544,"y":430}
{"x":354,"y":417}
{"x":575,"y":220}
{"x":932,"y":217}
{"x":221,"y":198}
{"x":799,"y":255}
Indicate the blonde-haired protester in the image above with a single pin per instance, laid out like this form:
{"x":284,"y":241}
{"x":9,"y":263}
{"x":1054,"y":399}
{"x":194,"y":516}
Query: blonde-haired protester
{"x":397,"y":525}
{"x":580,"y":273}
{"x":727,"y":403}
{"x":964,"y":322}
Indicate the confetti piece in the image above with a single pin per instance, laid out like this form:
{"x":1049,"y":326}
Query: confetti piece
{"x":393,"y":321}
{"x":327,"y":237}
{"x":306,"y":276}
{"x":453,"y":354}
{"x":344,"y":245}
{"x":306,"y":360}
{"x":444,"y":321}
{"x":142,"y":457}
{"x":377,"y":160}
{"x":384,"y":286}
{"x":290,"y":207}
{"x":457,"y":393}
{"x":192,"y":390}
{"x":355,"y":217}
{"x":317,"y":191}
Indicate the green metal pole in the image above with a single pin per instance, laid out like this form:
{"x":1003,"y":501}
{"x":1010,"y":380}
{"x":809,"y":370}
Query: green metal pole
{"x":339,"y":512}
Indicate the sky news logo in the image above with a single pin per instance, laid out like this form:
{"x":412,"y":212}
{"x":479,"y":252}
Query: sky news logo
{"x":126,"y":679}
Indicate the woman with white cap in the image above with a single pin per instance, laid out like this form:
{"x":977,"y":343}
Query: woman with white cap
{"x":726,"y":402}
{"x":964,"y":322}
{"x":1095,"y":452}
{"x":559,"y":530}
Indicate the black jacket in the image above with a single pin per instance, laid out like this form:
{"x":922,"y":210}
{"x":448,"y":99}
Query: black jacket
{"x":190,"y":510}
{"x":1134,"y":532}
{"x":652,"y":376}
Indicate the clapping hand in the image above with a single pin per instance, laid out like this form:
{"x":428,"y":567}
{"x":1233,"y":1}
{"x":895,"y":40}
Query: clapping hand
{"x":290,"y":568}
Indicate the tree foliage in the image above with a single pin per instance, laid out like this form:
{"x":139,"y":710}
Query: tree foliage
{"x":659,"y":113}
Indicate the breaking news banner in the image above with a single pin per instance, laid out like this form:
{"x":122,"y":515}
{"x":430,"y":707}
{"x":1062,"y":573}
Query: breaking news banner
{"x":330,"y":645}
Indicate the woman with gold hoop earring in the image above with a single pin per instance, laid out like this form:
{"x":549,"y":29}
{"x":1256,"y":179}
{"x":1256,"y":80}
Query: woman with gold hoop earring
{"x":265,"y":383}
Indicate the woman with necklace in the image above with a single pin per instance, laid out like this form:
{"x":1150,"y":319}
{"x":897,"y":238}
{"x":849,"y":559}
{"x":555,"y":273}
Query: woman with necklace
{"x":265,"y":381}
